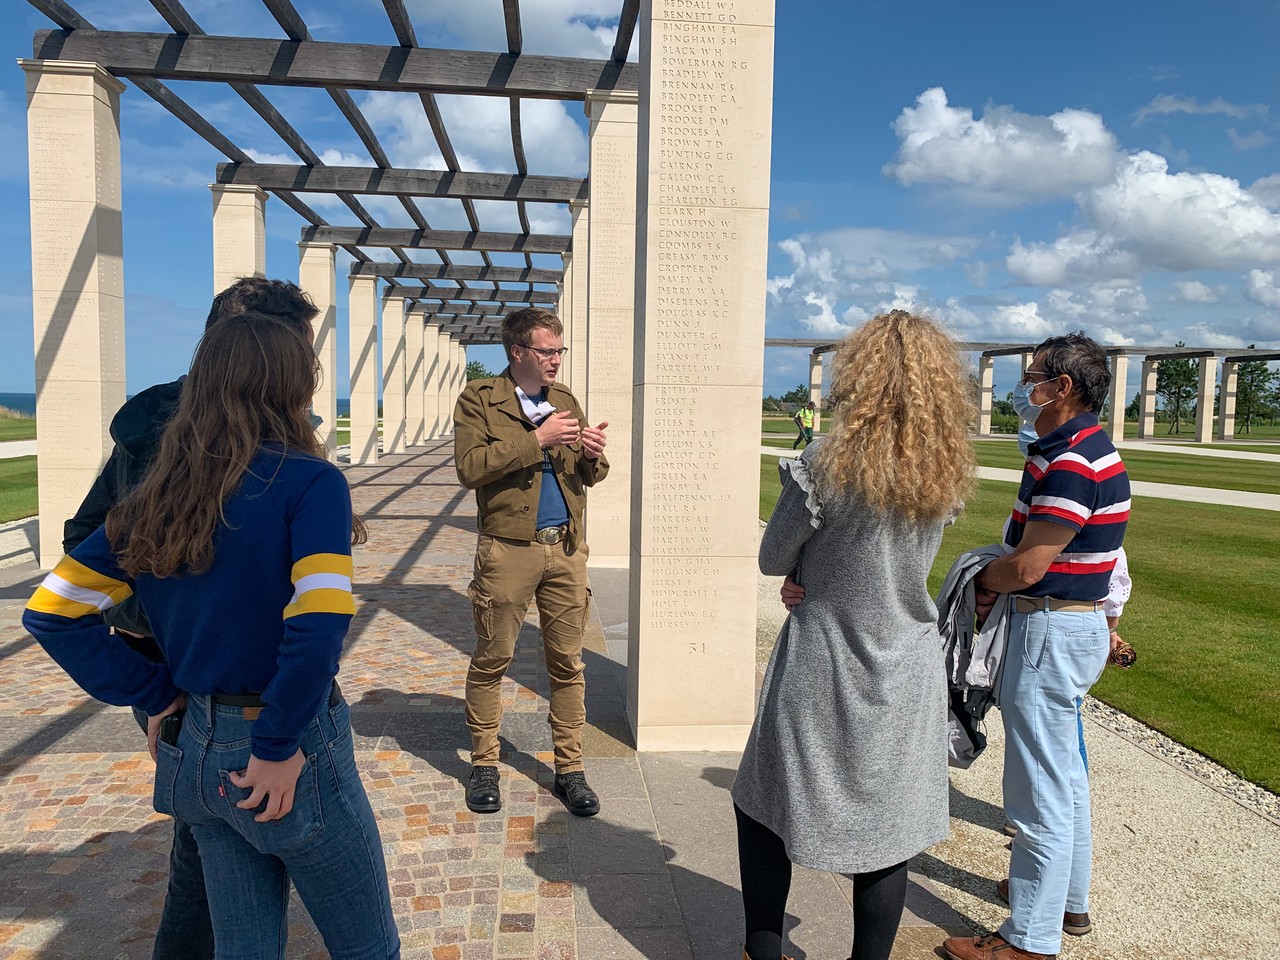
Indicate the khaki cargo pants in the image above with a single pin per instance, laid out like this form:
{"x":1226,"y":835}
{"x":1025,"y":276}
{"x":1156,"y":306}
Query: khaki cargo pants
{"x":508,"y":575}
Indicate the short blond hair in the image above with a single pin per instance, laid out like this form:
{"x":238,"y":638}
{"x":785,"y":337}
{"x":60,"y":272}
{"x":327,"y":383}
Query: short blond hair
{"x":900,"y":433}
{"x":518,"y":327}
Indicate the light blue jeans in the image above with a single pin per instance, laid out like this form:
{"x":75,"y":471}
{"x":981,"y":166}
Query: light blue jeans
{"x":328,"y":844}
{"x":1052,"y":660}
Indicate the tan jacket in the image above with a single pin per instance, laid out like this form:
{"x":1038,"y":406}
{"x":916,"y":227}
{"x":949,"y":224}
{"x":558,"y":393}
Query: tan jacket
{"x":498,"y":457}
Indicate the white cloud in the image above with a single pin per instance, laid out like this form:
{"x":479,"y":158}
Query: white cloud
{"x":572,"y":28}
{"x":1166,"y":104}
{"x":1004,"y":152}
{"x":1206,"y":335}
{"x":1252,"y":141}
{"x":1267,"y":190}
{"x":1193,"y":291}
{"x":1262,"y":287}
{"x":1078,"y":255}
{"x":1149,"y":218}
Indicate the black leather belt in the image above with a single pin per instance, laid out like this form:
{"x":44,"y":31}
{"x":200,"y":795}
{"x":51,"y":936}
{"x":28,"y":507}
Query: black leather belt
{"x":255,"y":699}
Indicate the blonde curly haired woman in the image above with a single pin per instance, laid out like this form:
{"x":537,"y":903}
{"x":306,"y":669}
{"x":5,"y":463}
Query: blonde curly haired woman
{"x":846,"y":766}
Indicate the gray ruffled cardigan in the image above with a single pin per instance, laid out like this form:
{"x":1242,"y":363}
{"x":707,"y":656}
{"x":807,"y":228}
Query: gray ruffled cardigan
{"x":847,"y":759}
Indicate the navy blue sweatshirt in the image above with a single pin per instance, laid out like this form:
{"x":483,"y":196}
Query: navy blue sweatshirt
{"x":269,"y":616}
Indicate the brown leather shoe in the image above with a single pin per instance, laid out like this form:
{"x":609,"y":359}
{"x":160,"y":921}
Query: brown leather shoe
{"x":991,"y":947}
{"x":1076,"y":924}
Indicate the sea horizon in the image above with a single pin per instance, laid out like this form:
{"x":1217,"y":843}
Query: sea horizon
{"x":25,"y":403}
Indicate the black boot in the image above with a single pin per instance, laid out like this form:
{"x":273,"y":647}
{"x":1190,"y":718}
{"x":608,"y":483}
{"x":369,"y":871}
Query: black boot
{"x":483,"y":795}
{"x":578,"y":797}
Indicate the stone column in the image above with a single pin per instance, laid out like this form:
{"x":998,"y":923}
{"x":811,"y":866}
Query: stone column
{"x":317,"y":275}
{"x":1147,"y":400}
{"x":1204,"y":402}
{"x":1116,"y":399}
{"x":577,"y":293}
{"x":815,"y":388}
{"x":444,"y":390}
{"x":77,"y":280}
{"x":706,"y":92}
{"x":362,"y":322}
{"x":1027,"y":357}
{"x":415,"y":428}
{"x":394,"y":408}
{"x":430,"y":380}
{"x":1227,"y":400}
{"x":566,"y":321}
{"x":239,"y":233}
{"x":986,"y":385}
{"x":462,"y":371}
{"x":611,"y":289}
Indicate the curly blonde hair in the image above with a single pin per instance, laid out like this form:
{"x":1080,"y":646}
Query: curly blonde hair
{"x":900,"y":434}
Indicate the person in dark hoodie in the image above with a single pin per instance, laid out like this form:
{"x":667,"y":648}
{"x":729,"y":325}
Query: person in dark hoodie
{"x":185,"y":931}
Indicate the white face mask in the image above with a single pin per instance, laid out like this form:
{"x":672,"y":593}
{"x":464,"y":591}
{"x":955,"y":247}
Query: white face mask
{"x":1026,"y":437}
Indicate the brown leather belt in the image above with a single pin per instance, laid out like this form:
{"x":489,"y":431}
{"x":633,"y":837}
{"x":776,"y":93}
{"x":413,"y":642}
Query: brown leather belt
{"x":1032,"y":604}
{"x":552,"y":535}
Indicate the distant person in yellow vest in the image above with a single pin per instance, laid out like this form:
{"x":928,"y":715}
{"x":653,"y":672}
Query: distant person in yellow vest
{"x":804,"y":423}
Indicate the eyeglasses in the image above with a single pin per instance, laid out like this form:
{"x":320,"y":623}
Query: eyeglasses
{"x":546,"y":353}
{"x":1035,"y":373}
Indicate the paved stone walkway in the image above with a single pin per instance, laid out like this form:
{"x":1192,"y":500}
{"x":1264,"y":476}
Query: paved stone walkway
{"x":12,"y":449}
{"x":83,"y":870}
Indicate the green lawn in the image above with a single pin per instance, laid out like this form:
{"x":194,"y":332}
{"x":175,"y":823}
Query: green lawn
{"x":1202,"y":618}
{"x":1158,"y":467}
{"x":17,"y":428}
{"x":18,"y":488}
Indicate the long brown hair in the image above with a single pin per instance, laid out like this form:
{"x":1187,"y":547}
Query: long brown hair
{"x":900,"y":436}
{"x":251,"y":381}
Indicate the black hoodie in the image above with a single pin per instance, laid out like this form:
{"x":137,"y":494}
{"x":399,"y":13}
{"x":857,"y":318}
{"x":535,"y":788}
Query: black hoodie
{"x":136,"y":430}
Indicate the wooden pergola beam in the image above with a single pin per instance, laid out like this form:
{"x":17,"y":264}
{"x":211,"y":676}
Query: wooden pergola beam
{"x":444,"y":239}
{"x":397,"y":182}
{"x":480,"y":295}
{"x":439,"y":271}
{"x":354,"y":66}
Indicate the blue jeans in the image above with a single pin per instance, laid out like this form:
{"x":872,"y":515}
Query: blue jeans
{"x":185,"y":931}
{"x":328,"y":844}
{"x":1052,"y":660}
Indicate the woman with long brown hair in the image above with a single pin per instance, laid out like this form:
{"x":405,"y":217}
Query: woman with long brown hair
{"x":238,"y":543}
{"x":846,"y":766}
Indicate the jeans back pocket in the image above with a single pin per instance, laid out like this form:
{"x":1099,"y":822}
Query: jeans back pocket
{"x":168,"y":761}
{"x":297,"y":827}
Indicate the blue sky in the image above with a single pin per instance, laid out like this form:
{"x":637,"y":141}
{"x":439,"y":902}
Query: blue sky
{"x":1014,"y":169}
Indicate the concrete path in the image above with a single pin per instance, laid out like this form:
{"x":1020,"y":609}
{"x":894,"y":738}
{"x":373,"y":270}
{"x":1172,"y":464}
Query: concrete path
{"x":1195,"y":451}
{"x":12,"y":449}
{"x":1160,"y":491}
{"x":654,"y":876}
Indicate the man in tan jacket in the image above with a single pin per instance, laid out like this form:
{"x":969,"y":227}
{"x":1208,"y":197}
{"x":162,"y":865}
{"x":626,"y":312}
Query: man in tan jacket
{"x":523,"y":444}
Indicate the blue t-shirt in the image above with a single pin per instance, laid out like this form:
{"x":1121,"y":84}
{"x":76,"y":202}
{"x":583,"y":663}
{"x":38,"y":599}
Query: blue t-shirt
{"x":552,"y":509}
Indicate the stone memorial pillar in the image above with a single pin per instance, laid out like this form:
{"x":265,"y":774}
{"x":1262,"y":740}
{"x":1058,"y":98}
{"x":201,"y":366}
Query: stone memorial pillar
{"x":414,"y":341}
{"x":318,"y":277}
{"x":611,"y":287}
{"x":462,"y":371}
{"x":362,"y":322}
{"x":577,"y":293}
{"x":815,"y":388}
{"x":444,"y":379}
{"x":394,"y":407}
{"x":1116,"y":398}
{"x":431,"y":380}
{"x":77,"y":280}
{"x":706,"y":94}
{"x":1027,"y":357}
{"x":565,"y":313}
{"x":1227,"y":400}
{"x":986,"y":385}
{"x":239,"y":233}
{"x":1147,"y":400}
{"x":1204,"y":399}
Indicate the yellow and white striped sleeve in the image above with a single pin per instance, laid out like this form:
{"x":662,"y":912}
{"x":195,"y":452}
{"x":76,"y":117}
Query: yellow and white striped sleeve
{"x":321,"y":584}
{"x":73,"y":590}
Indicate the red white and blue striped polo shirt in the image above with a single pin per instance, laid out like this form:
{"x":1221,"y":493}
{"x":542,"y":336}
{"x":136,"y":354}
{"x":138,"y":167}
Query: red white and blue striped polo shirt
{"x":1075,"y":477}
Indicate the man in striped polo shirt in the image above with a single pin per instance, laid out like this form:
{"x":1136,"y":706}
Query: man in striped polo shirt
{"x":1063,"y":538}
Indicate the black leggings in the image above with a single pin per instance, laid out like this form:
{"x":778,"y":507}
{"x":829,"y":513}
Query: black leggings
{"x":878,"y":897}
